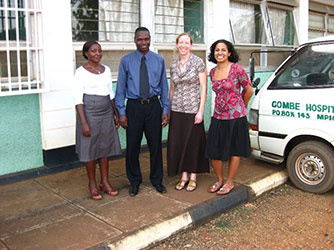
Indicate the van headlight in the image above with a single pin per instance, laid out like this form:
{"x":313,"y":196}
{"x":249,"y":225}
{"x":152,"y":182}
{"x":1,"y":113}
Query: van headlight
{"x":253,"y":119}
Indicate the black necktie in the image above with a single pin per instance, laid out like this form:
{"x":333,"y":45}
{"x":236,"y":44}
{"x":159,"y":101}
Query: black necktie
{"x":144,"y":85}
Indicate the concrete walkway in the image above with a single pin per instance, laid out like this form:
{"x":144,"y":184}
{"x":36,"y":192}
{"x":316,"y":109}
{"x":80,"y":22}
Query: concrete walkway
{"x":55,"y":211}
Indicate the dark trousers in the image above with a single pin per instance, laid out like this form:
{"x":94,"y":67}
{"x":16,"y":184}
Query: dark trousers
{"x":143,"y":118}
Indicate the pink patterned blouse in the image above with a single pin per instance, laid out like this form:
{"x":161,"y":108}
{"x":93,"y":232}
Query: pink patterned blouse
{"x":229,"y":103}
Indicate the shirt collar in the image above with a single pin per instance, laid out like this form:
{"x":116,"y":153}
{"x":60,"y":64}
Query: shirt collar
{"x":139,"y":55}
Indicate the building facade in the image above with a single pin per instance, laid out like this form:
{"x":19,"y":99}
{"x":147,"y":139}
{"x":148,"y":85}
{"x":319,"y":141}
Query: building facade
{"x":40,"y":48}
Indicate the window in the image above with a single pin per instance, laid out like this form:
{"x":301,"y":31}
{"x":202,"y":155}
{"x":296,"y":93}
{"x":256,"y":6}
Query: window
{"x":316,"y":25}
{"x":193,"y":19}
{"x":168,"y":20}
{"x":262,"y":23}
{"x":320,"y":24}
{"x":104,"y":20}
{"x":247,"y":25}
{"x":175,"y":17}
{"x":311,"y":67}
{"x":282,"y":26}
{"x":20,"y":47}
{"x":331,"y":25}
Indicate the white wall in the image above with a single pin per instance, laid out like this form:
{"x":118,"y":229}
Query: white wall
{"x":57,"y":104}
{"x":218,"y":28}
{"x":302,"y":16}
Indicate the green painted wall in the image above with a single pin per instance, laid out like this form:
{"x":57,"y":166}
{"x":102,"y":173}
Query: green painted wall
{"x":20,"y":133}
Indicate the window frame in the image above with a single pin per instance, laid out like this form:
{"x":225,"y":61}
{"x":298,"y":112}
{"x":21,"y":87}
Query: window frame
{"x":33,"y":81}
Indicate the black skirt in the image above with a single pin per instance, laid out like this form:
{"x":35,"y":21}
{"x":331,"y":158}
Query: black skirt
{"x":228,"y":138}
{"x":104,"y":139}
{"x":186,"y":145}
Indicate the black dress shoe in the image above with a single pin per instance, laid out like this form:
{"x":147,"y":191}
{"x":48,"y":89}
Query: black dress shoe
{"x":133,"y":191}
{"x":160,"y":188}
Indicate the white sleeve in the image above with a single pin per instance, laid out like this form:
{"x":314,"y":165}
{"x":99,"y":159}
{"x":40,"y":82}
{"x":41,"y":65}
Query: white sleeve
{"x":78,"y":87}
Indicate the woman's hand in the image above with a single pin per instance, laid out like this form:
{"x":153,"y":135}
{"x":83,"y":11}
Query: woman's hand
{"x":198,"y":118}
{"x":123,"y":121}
{"x":248,"y":93}
{"x":117,"y":121}
{"x":84,"y":124}
{"x":85,"y":129}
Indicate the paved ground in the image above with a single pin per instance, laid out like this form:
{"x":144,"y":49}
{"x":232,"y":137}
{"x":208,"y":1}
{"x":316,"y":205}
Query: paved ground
{"x":55,"y":211}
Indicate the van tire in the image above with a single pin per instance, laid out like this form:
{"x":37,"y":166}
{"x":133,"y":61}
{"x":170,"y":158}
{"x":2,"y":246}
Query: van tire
{"x":310,"y":166}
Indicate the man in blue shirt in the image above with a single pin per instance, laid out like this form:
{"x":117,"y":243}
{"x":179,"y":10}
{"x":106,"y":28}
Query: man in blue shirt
{"x":143,"y":112}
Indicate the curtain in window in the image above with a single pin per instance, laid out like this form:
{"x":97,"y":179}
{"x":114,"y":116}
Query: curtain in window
{"x":316,"y":21}
{"x":331,"y":24}
{"x":277,"y":21}
{"x":169,"y":20}
{"x":316,"y":25}
{"x":118,"y":20}
{"x":282,"y":26}
{"x":247,"y":24}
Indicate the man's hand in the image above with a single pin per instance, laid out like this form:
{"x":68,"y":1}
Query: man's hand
{"x":164,"y":119}
{"x":123,"y":121}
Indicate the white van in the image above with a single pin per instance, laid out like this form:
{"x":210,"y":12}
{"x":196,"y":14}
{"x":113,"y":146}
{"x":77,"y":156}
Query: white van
{"x":292,"y":116}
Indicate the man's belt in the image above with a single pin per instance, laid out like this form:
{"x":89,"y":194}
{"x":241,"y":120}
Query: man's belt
{"x":145,"y":101}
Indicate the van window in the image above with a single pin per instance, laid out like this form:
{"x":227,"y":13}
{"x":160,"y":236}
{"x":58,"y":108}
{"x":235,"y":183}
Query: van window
{"x":310,"y":67}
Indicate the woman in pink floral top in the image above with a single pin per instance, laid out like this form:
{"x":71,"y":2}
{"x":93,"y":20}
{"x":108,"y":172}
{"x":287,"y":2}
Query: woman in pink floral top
{"x":228,"y":137}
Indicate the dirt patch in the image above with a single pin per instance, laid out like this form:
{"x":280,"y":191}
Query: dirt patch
{"x":284,"y":218}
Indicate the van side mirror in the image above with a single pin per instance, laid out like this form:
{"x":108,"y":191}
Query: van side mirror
{"x":251,"y":68}
{"x":255,"y":84}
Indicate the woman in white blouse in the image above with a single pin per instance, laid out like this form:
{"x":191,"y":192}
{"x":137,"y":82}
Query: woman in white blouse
{"x":97,"y":118}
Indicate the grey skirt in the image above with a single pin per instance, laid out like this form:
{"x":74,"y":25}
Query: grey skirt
{"x":104,"y":139}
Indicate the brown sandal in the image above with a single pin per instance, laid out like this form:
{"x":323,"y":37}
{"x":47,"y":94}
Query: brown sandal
{"x":215,"y":187}
{"x":94,"y":193}
{"x":108,"y":189}
{"x":225,"y":189}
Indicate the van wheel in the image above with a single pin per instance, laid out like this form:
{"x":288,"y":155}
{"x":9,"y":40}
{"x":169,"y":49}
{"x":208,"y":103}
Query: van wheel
{"x":311,"y":166}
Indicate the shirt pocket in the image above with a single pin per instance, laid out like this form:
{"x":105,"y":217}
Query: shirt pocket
{"x":155,"y":75}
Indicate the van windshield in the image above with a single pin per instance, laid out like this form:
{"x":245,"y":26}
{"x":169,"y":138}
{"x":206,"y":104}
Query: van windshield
{"x":311,"y":67}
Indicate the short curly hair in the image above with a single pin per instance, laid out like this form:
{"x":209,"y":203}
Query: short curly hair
{"x":142,"y":29}
{"x":234,"y":57}
{"x":86,"y":47}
